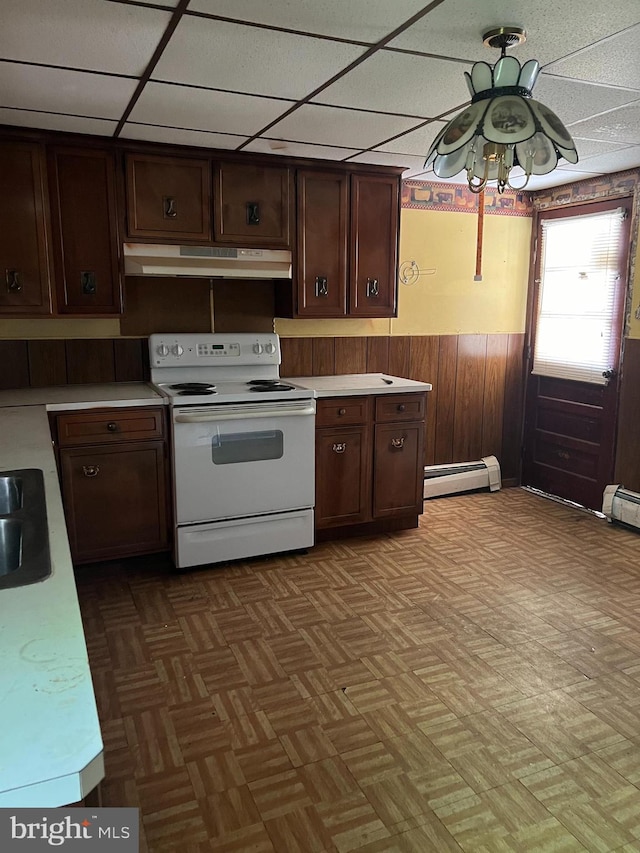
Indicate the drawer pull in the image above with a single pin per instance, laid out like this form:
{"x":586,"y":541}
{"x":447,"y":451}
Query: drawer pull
{"x":170,"y":207}
{"x":112,"y":426}
{"x":401,"y":407}
{"x":12,"y":277}
{"x":397,"y":443}
{"x":342,"y":411}
{"x":373,"y":287}
{"x":90,"y":470}
{"x":340,"y":447}
{"x":88,"y":282}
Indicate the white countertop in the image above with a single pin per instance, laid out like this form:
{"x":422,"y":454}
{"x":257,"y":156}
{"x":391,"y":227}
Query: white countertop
{"x":350,"y":384}
{"x":50,"y":741}
{"x":101,"y":395}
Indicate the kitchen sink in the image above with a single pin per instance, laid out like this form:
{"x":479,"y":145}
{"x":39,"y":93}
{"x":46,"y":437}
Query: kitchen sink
{"x":24,"y":538}
{"x":10,"y":493}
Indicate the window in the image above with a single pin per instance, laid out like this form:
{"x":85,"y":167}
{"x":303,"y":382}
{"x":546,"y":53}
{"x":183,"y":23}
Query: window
{"x":578,"y":291}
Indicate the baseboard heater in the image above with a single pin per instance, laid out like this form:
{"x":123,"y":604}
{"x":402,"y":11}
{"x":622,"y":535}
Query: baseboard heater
{"x":462,"y":477}
{"x":621,"y":505}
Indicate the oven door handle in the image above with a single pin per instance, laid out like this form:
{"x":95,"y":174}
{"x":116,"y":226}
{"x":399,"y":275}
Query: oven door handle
{"x":212,"y":418}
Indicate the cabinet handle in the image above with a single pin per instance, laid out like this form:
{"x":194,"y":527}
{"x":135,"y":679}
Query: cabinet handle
{"x":253,"y":213}
{"x":373,"y":287}
{"x":12,"y":277}
{"x":340,"y":447}
{"x":112,"y":426}
{"x":88,"y":282}
{"x":397,"y":442}
{"x":170,"y":207}
{"x":322,"y":286}
{"x":401,"y":407}
{"x":342,"y":411}
{"x":90,"y":470}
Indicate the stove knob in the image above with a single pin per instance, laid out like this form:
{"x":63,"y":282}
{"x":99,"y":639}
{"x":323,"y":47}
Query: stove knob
{"x":258,"y":348}
{"x":163,"y":350}
{"x":270,"y":348}
{"x":177,"y":350}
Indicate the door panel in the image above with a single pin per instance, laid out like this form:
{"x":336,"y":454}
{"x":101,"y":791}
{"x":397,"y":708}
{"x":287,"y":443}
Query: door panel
{"x":569,"y":431}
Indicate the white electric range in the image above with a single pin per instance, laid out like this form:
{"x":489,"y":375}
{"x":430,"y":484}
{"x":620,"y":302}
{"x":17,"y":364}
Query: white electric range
{"x":243,"y":447}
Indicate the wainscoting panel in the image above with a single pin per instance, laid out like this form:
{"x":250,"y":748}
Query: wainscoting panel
{"x":475,"y":407}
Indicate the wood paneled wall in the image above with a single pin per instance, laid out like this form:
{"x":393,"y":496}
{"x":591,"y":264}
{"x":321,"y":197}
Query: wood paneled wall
{"x":627,"y":471}
{"x":39,"y":364}
{"x":475,"y":408}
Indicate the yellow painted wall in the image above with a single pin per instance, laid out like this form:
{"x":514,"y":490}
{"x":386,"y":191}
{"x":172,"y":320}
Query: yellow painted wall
{"x":634,"y":322}
{"x":449,"y":302}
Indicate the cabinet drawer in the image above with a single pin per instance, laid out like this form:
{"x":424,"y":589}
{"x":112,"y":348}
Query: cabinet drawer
{"x":341,"y":411}
{"x":400,"y":407}
{"x":101,"y":427}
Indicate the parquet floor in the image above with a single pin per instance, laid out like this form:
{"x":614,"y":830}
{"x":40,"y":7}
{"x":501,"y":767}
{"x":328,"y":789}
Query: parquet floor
{"x":473,"y":684}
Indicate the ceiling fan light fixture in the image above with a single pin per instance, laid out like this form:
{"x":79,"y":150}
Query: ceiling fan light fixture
{"x":503,"y":126}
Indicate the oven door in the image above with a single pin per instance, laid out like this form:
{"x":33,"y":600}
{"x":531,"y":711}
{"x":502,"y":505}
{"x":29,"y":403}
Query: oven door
{"x":233,"y":461}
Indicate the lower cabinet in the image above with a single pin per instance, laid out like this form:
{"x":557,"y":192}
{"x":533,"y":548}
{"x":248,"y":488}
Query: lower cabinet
{"x":114,"y":482}
{"x":369,"y":462}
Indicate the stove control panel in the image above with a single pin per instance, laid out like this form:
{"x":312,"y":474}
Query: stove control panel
{"x":188,"y":350}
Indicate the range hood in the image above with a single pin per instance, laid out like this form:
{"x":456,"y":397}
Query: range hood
{"x":205,"y":261}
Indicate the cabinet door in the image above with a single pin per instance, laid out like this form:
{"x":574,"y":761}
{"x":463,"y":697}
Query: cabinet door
{"x":115,"y":499}
{"x":375,"y":201}
{"x":168,"y":198}
{"x":322,"y":244}
{"x":398,"y":469}
{"x":252,"y":205}
{"x":85,"y":233}
{"x":24,"y":262}
{"x":343,"y":476}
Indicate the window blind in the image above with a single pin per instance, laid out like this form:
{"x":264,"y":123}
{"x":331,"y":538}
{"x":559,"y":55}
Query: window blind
{"x":579,"y":272}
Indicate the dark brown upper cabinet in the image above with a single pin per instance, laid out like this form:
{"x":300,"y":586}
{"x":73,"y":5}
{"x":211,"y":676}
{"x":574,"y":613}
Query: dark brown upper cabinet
{"x":252,"y":205}
{"x":322,"y":240}
{"x":168,"y":198}
{"x":82,"y":183}
{"x":24,"y":259}
{"x":347,"y":245}
{"x":375,"y":208}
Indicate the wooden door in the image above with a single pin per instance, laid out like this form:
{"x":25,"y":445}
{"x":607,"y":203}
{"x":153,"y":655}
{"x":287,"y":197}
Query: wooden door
{"x":343,"y":476}
{"x":115,"y":499}
{"x":85,"y":233}
{"x":375,"y":205}
{"x":168,"y":198}
{"x":398,"y":469}
{"x":322,"y":244}
{"x":24,"y":261}
{"x":252,"y":205}
{"x":570,"y":425}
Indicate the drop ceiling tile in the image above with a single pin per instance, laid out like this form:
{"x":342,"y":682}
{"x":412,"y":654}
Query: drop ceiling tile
{"x":412,"y":165}
{"x":400,"y":83}
{"x":285,"y":148}
{"x":57,"y":121}
{"x":358,"y":20}
{"x":33,"y":87}
{"x":573,"y":100}
{"x":619,"y":125}
{"x":416,"y":141}
{"x":237,"y":58}
{"x":558,"y":178}
{"x":594,"y":147}
{"x":88,"y":34}
{"x":204,"y":109}
{"x":180,"y":136}
{"x":553,"y":29}
{"x":334,"y":126}
{"x":614,"y":62}
{"x":615,"y":161}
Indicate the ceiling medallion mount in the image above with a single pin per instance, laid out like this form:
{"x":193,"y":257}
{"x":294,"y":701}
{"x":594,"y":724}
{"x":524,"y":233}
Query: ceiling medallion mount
{"x":503,"y":126}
